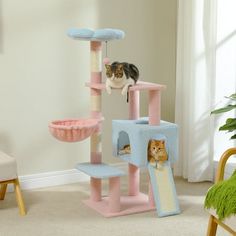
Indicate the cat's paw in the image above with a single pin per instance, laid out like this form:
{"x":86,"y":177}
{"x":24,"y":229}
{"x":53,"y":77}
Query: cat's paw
{"x":159,"y":166}
{"x":108,"y":89}
{"x":153,"y":164}
{"x":124,"y":91}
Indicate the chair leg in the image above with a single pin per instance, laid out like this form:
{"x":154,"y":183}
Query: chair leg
{"x":212,"y":226}
{"x":19,"y":197}
{"x":3,"y":190}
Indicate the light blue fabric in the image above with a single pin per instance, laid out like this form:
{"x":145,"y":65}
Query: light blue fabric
{"x":137,"y":133}
{"x":99,"y":171}
{"x":80,"y":33}
{"x":161,"y":212}
{"x":96,"y":35}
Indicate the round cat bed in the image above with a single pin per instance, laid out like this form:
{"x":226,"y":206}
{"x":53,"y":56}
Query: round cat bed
{"x":73,"y":130}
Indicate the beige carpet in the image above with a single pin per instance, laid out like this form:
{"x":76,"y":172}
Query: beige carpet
{"x":60,"y":211}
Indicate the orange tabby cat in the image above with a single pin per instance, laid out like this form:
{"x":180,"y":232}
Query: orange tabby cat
{"x":157,"y":151}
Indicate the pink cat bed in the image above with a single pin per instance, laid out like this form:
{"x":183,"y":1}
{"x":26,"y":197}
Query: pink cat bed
{"x":73,"y":130}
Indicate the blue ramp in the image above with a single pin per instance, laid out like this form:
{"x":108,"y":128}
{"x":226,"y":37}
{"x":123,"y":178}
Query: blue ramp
{"x":164,"y":191}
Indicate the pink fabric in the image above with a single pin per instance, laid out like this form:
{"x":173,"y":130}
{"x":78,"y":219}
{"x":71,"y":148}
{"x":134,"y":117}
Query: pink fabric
{"x":129,"y":205}
{"x":73,"y":130}
{"x":114,"y":194}
{"x":133,"y":105}
{"x":134,"y":178}
{"x":106,"y":60}
{"x":100,"y":86}
{"x":95,"y":92}
{"x":95,"y":45}
{"x":96,"y":77}
{"x":95,"y":157}
{"x":154,"y":107}
{"x":96,"y":189}
{"x":141,"y":85}
{"x":96,"y":115}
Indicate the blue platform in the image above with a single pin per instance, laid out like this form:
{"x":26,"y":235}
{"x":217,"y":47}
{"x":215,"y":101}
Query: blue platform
{"x":106,"y":34}
{"x":99,"y":171}
{"x":137,"y":133}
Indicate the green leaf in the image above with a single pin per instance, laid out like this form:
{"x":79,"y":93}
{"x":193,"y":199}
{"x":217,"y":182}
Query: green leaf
{"x":229,"y":125}
{"x":230,"y":121}
{"x":233,"y":137}
{"x":224,"y":109}
{"x":232,"y":96}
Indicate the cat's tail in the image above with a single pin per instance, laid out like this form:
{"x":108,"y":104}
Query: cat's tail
{"x":134,"y":72}
{"x":127,"y":99}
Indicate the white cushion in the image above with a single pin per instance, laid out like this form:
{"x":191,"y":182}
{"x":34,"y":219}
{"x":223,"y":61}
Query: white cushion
{"x":7,"y":167}
{"x":230,"y":221}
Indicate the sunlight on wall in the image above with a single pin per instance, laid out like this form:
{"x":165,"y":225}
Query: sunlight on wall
{"x":225,"y":69}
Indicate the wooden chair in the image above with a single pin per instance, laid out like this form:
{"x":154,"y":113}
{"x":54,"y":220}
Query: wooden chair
{"x":228,"y":224}
{"x":8,"y":175}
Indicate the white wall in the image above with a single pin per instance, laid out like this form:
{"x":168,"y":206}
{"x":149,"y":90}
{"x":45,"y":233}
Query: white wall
{"x":42,"y":71}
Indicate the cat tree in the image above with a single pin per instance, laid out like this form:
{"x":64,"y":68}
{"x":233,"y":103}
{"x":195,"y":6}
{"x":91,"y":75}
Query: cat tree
{"x":136,"y":131}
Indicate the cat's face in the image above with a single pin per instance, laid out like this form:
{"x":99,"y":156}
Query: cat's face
{"x":115,"y":73}
{"x":155,"y":146}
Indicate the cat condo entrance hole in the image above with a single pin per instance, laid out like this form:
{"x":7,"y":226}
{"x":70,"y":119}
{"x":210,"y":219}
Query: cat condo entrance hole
{"x":123,"y":143}
{"x":73,"y":130}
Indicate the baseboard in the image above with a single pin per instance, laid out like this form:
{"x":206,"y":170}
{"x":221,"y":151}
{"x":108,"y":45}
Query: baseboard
{"x":49,"y":179}
{"x":57,"y":178}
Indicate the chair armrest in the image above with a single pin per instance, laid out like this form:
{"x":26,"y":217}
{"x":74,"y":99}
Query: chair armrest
{"x":221,"y":166}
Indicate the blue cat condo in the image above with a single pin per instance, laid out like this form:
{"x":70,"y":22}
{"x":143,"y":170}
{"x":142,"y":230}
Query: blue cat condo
{"x":137,"y":134}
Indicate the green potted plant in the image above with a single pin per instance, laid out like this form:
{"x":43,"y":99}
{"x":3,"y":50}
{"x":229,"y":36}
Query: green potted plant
{"x":230,"y":123}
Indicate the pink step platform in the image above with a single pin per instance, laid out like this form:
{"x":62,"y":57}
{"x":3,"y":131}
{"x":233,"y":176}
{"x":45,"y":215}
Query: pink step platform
{"x":128,"y":205}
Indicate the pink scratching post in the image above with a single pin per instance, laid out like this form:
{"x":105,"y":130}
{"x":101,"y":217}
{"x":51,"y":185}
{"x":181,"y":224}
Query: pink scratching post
{"x":95,"y":140}
{"x":154,"y":107}
{"x":114,"y":194}
{"x":134,"y":174}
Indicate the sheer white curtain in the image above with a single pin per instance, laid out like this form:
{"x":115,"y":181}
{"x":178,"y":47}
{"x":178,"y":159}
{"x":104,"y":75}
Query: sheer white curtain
{"x":206,"y":72}
{"x":195,"y":80}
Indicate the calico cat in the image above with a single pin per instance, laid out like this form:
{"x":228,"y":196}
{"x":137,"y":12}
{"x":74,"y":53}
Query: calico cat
{"x":157,"y":152}
{"x":121,"y":75}
{"x":125,"y":150}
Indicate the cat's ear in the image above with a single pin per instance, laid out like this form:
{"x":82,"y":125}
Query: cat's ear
{"x":120,"y":66}
{"x":107,"y":66}
{"x":150,"y":142}
{"x":162,"y":141}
